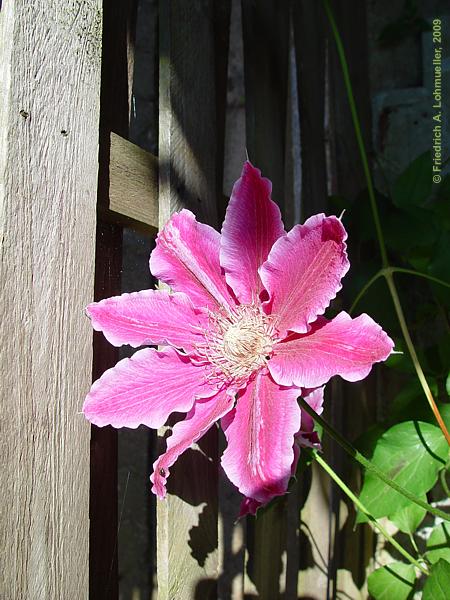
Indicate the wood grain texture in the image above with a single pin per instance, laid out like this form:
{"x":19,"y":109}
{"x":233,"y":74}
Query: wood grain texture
{"x":308,"y":22}
{"x":347,"y":178}
{"x":49,"y":109}
{"x":265,"y":26}
{"x":133,"y":184}
{"x":117,"y":58}
{"x":187,"y":537}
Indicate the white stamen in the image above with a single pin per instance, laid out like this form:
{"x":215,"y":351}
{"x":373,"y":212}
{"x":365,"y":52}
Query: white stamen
{"x":238,"y":342}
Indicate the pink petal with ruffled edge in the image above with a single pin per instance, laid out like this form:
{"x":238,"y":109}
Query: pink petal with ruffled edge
{"x":307,"y":436}
{"x":303,"y":272}
{"x":145,"y":389}
{"x":186,"y":257}
{"x":314,"y":397}
{"x":260,"y":438}
{"x":204,"y":414}
{"x":344,"y":346}
{"x":252,"y":225}
{"x":149,"y":317}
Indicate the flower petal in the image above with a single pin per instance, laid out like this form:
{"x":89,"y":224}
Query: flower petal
{"x":148,"y":318}
{"x":260,"y":438}
{"x":252,"y":225}
{"x":344,"y":346}
{"x":203,"y":414}
{"x":307,"y":436}
{"x":186,"y":257}
{"x":303,"y":272}
{"x":249,"y":506}
{"x":145,"y":389}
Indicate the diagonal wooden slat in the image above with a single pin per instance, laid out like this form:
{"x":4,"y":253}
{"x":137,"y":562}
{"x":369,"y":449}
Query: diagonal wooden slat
{"x":133,"y":185}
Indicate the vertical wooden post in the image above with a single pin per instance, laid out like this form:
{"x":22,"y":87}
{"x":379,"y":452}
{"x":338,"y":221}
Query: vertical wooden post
{"x":187,"y":538}
{"x":49,"y":109}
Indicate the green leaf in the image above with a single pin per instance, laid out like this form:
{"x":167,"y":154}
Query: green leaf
{"x":447,"y":385}
{"x":410,"y":517}
{"x":411,"y":454}
{"x":438,"y":544}
{"x":395,"y":580}
{"x":413,"y":186}
{"x":437,"y":586}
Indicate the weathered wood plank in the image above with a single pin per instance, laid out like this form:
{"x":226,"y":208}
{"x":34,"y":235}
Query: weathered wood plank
{"x":49,"y":109}
{"x":133,"y":185}
{"x":117,"y":55}
{"x":309,"y":40}
{"x":187,"y":556}
{"x":347,"y":178}
{"x":308,"y":22}
{"x":265,"y":28}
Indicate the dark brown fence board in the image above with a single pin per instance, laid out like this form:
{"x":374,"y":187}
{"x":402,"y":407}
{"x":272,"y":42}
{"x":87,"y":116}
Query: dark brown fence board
{"x":117,"y":53}
{"x":347,"y":178}
{"x":310,"y":47}
{"x":265,"y":28}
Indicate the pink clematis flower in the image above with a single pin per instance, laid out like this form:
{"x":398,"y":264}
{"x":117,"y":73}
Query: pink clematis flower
{"x":243,"y":338}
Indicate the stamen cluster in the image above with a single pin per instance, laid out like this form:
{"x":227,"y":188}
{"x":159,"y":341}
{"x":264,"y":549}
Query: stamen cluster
{"x":238,"y":342}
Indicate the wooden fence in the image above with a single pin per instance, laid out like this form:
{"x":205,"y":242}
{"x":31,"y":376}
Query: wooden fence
{"x":70,"y":180}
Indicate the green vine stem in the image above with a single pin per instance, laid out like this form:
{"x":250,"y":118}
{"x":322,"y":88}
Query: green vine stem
{"x":357,"y":456}
{"x":383,"y":272}
{"x":373,"y":203}
{"x":357,"y":502}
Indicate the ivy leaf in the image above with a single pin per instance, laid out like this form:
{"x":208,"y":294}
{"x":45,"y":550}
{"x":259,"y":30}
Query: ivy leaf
{"x":395,"y":580}
{"x":447,"y":385}
{"x":410,"y":517}
{"x":437,"y":585}
{"x":438,"y":544}
{"x":413,"y":186}
{"x":411,"y":454}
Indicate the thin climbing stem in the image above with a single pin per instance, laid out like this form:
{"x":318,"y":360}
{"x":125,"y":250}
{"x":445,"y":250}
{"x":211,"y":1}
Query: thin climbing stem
{"x":362,"y":460}
{"x":383,"y":272}
{"x":360,"y":506}
{"x":419,"y":274}
{"x":376,"y":218}
{"x":414,"y":357}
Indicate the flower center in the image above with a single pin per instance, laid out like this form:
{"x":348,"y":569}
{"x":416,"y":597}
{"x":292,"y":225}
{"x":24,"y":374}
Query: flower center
{"x":238,"y":343}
